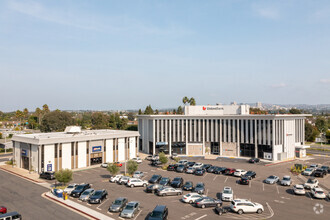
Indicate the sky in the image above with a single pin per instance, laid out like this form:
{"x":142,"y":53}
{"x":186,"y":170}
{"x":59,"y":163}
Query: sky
{"x":104,"y":55}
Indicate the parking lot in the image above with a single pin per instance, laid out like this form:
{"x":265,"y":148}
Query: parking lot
{"x":278,"y":201}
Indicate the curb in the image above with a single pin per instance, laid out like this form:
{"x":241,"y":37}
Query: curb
{"x":77,"y":210}
{"x":279,"y":162}
{"x":16,"y":174}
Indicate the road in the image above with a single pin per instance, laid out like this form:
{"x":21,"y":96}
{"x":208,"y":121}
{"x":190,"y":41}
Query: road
{"x":25,"y":197}
{"x":309,"y":151}
{"x":6,"y":155}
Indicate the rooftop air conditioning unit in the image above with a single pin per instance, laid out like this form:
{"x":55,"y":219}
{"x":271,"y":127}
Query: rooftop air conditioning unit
{"x":72,"y":129}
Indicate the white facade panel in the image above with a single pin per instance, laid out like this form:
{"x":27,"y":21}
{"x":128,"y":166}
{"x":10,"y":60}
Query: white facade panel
{"x":109,"y":151}
{"x":82,"y":154}
{"x":34,"y":157}
{"x":49,"y":156}
{"x":66,"y":156}
{"x":132,"y":150}
{"x":121,"y":149}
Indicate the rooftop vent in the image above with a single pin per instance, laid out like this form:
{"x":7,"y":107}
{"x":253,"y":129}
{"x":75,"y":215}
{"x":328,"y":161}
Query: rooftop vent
{"x":72,"y":130}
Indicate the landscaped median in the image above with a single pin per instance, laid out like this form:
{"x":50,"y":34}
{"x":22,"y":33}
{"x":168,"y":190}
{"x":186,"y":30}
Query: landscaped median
{"x":76,"y":207}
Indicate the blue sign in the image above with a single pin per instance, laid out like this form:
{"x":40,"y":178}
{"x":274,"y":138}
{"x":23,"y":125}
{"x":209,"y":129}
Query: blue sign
{"x":97,"y":149}
{"x":49,"y":167}
{"x":24,"y":153}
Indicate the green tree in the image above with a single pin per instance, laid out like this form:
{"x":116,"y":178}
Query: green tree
{"x":45,"y":109}
{"x":174,"y":112}
{"x":321,"y":124}
{"x":162,"y":158}
{"x":131,"y":116}
{"x":156,"y":112}
{"x":113,"y":169}
{"x":185,"y":100}
{"x":100,"y":120}
{"x":140,"y":112}
{"x":294,"y":111}
{"x":25,"y":113}
{"x":33,"y":122}
{"x":311,"y":132}
{"x":19,"y":115}
{"x":56,"y":121}
{"x":148,"y":110}
{"x":132,"y":166}
{"x":180,"y":110}
{"x":132,"y":128}
{"x":192,"y":101}
{"x":64,"y":176}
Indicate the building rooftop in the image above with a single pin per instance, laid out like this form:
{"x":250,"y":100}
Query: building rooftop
{"x":250,"y":116}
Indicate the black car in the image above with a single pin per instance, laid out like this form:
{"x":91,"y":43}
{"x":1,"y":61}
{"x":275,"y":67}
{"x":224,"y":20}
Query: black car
{"x":79,"y":190}
{"x":177,"y":182}
{"x":171,"y":167}
{"x":250,"y":174}
{"x":165,"y":181}
{"x":211,"y":169}
{"x":118,"y":205}
{"x":155,"y":163}
{"x":199,"y":172}
{"x":199,"y":188}
{"x":208,"y":202}
{"x":47,"y":175}
{"x":326,"y":169}
{"x":206,"y":166}
{"x":320,"y":172}
{"x":98,"y":196}
{"x":244,"y":181}
{"x":159,"y":213}
{"x":190,"y":164}
{"x":254,"y":160}
{"x":155,"y":178}
{"x":219,"y":170}
{"x":181,"y":168}
{"x":153,"y":188}
{"x":188,"y":186}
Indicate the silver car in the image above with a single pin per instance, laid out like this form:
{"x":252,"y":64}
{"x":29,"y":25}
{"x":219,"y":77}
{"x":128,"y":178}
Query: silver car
{"x":169,"y":191}
{"x":130,"y":210}
{"x":86,"y":194}
{"x":138,"y":174}
{"x":286,"y":181}
{"x":272,"y":179}
{"x":123,"y":180}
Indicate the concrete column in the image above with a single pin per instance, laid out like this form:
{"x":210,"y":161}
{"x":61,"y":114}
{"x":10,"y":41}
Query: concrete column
{"x":58,"y":156}
{"x":74,"y":155}
{"x":190,"y":130}
{"x":234,"y":130}
{"x":207,"y":130}
{"x":153,"y":135}
{"x":30,"y":157}
{"x":170,"y":138}
{"x":246,"y":131}
{"x":220,"y":137}
{"x":216,"y":131}
{"x":259,"y":132}
{"x":162,"y":130}
{"x":255,"y":140}
{"x":212,"y":130}
{"x":229,"y":128}
{"x":166,"y":129}
{"x":225,"y":130}
{"x":174,"y":131}
{"x":203,"y":122}
{"x":303,"y":129}
{"x":237,"y":142}
{"x":273,"y":137}
{"x":195,"y":130}
{"x":182,"y":131}
{"x":268,"y":132}
{"x":264,"y":137}
{"x":242,"y":131}
{"x":186,"y":137}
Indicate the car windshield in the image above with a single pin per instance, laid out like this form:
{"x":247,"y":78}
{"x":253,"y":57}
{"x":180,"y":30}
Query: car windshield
{"x":324,"y":167}
{"x":319,"y":192}
{"x":309,"y":169}
{"x":286,"y":178}
{"x":181,"y":166}
{"x":118,"y":202}
{"x":227,"y":191}
{"x":97,"y":193}
{"x":249,"y":172}
{"x":80,"y":187}
{"x":310,"y":181}
{"x":155,"y":177}
{"x":199,"y":185}
{"x":70,"y":187}
{"x":156,"y":214}
{"x":86,"y":193}
{"x":176,"y":179}
{"x":188,"y":184}
{"x":129,"y":207}
{"x":271,"y":177}
{"x":299,"y":187}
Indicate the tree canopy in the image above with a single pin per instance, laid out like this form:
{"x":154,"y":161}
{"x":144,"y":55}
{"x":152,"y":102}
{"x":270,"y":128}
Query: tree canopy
{"x":56,"y":121}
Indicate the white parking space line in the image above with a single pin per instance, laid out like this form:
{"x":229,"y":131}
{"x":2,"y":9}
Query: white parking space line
{"x":144,"y":177}
{"x":203,"y":216}
{"x":250,"y":184}
{"x":263,"y":187}
{"x":109,"y":213}
{"x":77,"y":174}
{"x":207,"y":192}
{"x":88,"y":204}
{"x":278,"y":192}
{"x":205,"y":175}
{"x":310,"y":196}
{"x":215,"y":178}
{"x":226,"y":179}
{"x":101,"y":204}
{"x":138,"y":214}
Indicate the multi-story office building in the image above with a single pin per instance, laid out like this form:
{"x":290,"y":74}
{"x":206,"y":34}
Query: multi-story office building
{"x":226,"y":130}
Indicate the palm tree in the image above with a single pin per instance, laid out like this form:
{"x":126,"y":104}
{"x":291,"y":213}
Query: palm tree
{"x":192,"y":101}
{"x":185,"y":100}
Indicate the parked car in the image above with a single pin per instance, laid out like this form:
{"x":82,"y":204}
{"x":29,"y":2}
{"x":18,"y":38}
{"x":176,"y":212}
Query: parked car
{"x":119,"y":164}
{"x":208,"y":202}
{"x":244,"y":180}
{"x":326,"y":169}
{"x":138,"y":174}
{"x":173,"y":156}
{"x":272,"y":179}
{"x":155,"y":157}
{"x":239,"y":172}
{"x":169,"y":191}
{"x":177,"y":182}
{"x":230,"y":171}
{"x":250,"y":174}
{"x":191,"y":197}
{"x":318,"y":193}
{"x":155,"y":163}
{"x":123,"y":180}
{"x":130,"y":210}
{"x":10,"y":216}
{"x":198,"y":165}
{"x":308,"y":171}
{"x":227,"y":194}
{"x":115,"y":179}
{"x":320,"y":172}
{"x":70,"y":188}
{"x":104,"y":165}
{"x":286,"y":181}
{"x":219,"y":170}
{"x":171,"y":167}
{"x":299,"y":189}
{"x":98,"y":196}
{"x":199,"y":172}
{"x":182,"y":162}
{"x":149,"y":157}
{"x":3,"y":210}
{"x":76,"y":193}
{"x":165,"y":181}
{"x":188,"y":186}
{"x":206,"y":166}
{"x":47,"y":175}
{"x":190,"y":163}
{"x":160,"y":212}
{"x":311,"y":183}
{"x":155,"y":178}
{"x":254,"y":160}
{"x":315,"y":166}
{"x":118,"y":204}
{"x":211,"y":169}
{"x":86,"y":194}
{"x":191,"y":170}
{"x":181,"y":168}
{"x":199,"y":188}
{"x":135,"y":182}
{"x":137,"y":160}
{"x":152,"y":188}
{"x":245,"y":206}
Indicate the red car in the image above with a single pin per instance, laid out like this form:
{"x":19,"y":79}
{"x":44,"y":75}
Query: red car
{"x":230,"y":171}
{"x":119,"y":164}
{"x":3,"y":210}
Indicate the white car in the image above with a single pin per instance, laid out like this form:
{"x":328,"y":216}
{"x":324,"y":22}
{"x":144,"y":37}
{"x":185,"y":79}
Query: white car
{"x":318,"y":193}
{"x":308,"y":171}
{"x":116,"y":178}
{"x":239,"y":172}
{"x":133,"y":182}
{"x":104,"y":165}
{"x":286,"y":181}
{"x":314,"y":166}
{"x":137,"y":159}
{"x":198,"y":165}
{"x":191,"y":197}
{"x":182,"y":162}
{"x":123,"y":180}
{"x":70,"y":188}
{"x":227,"y":194}
{"x":138,"y":174}
{"x":311,"y":183}
{"x":299,"y":189}
{"x":245,"y":206}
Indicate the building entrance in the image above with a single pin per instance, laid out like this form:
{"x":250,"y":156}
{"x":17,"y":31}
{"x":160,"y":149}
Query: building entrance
{"x":96,"y":158}
{"x":25,"y":163}
{"x":215,"y":148}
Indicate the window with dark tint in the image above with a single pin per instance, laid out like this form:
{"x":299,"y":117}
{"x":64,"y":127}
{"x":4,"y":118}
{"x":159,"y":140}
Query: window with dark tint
{"x":156,"y":214}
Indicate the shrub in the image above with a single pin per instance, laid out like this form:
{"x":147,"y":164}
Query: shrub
{"x":131,"y":167}
{"x":177,"y":159}
{"x":64,"y":176}
{"x":113,"y":169}
{"x":162,"y":158}
{"x":164,"y":167}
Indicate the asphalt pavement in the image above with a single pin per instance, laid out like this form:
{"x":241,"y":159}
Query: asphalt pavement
{"x":25,"y":197}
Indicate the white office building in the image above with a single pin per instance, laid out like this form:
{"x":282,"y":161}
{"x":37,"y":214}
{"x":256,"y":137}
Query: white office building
{"x":225,"y":130}
{"x":73,"y":148}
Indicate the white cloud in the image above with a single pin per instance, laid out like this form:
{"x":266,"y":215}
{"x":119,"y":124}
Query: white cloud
{"x":325,"y":81}
{"x":280,"y":85}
